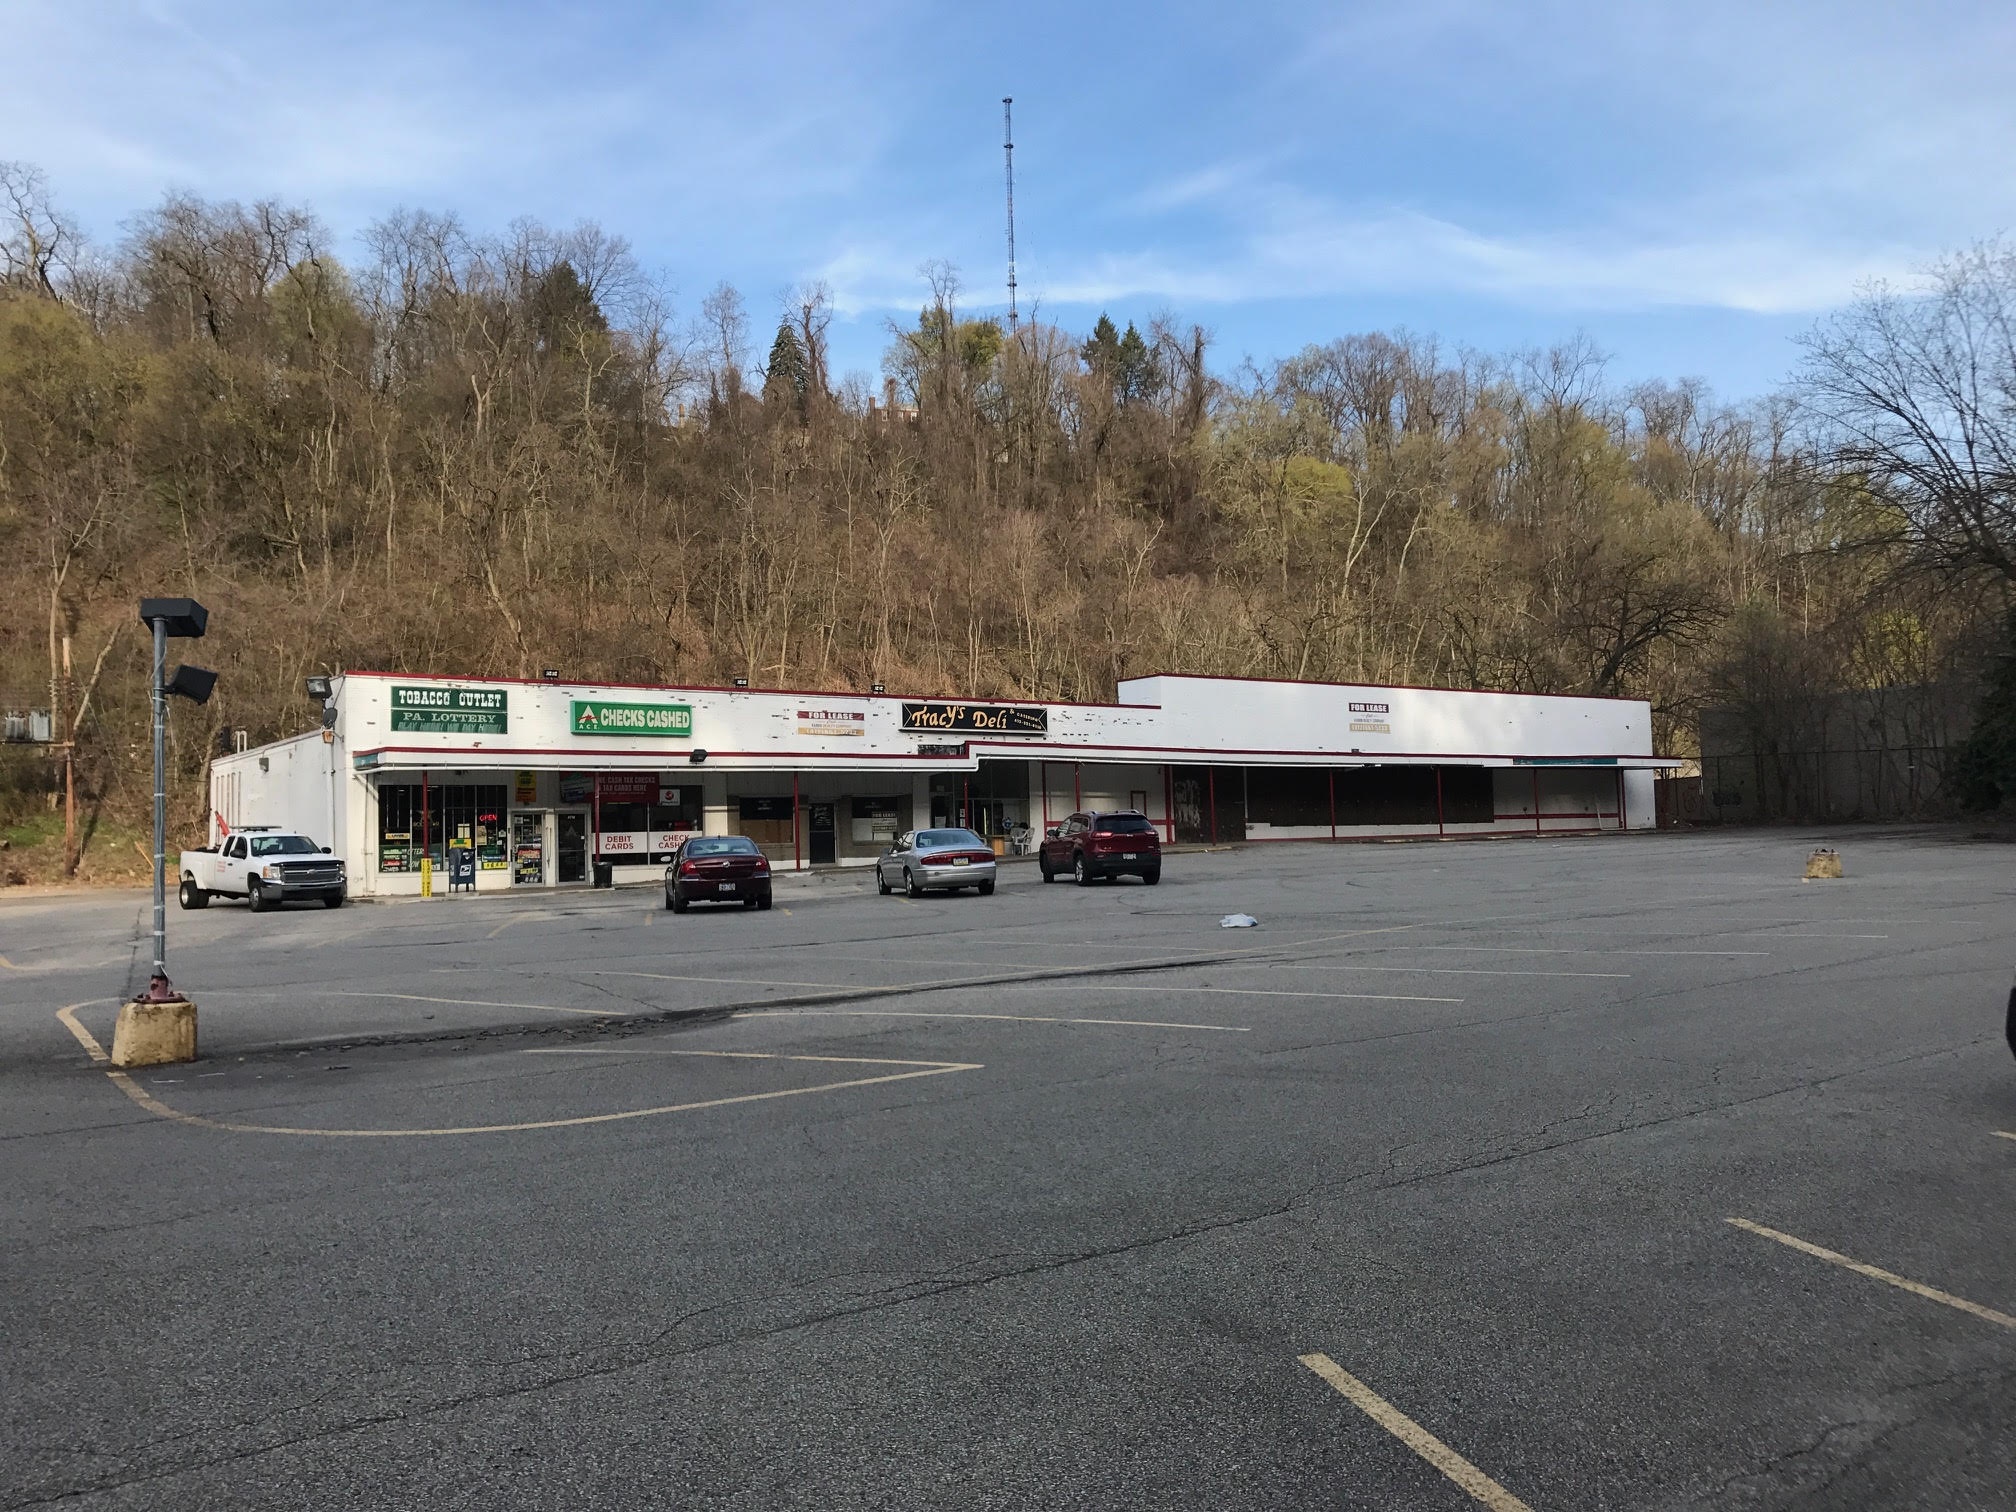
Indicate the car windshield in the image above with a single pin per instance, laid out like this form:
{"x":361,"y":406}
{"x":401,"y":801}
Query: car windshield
{"x":283,"y":845}
{"x":1122,"y":824}
{"x":726,"y":845}
{"x":941,"y":839}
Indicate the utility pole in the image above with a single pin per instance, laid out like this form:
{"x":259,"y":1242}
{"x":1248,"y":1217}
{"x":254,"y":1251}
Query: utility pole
{"x":1008,"y":150}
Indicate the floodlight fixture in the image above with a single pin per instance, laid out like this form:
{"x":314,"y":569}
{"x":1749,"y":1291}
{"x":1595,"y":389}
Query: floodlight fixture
{"x":320,"y":688}
{"x":180,"y":618}
{"x":192,"y":683}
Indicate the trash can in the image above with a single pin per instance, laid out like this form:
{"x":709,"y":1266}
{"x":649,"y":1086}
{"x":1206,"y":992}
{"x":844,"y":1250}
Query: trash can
{"x":605,"y":873}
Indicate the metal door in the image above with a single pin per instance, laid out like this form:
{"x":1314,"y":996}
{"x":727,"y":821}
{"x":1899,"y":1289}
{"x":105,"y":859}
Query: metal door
{"x":819,"y":827}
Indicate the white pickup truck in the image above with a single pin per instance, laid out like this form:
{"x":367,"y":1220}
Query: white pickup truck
{"x":265,"y":866}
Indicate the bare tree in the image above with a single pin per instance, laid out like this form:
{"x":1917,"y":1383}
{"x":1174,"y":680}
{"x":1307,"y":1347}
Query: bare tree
{"x":1916,"y":394}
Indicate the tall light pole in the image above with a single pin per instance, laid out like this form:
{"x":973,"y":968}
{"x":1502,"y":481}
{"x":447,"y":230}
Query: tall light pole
{"x":182,"y":618}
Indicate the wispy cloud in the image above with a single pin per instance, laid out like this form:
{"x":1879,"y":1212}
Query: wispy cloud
{"x":1296,"y":247}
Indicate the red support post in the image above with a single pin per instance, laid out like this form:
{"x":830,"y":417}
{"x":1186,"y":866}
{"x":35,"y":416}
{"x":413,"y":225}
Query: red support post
{"x":1536,"y":800}
{"x":1043,"y":775}
{"x":1620,"y":798}
{"x":1333,"y":803}
{"x":1078,"y":784}
{"x":1441,"y":828}
{"x":595,"y":826}
{"x":797,"y":864}
{"x":1211,"y":782}
{"x":1169,"y":801}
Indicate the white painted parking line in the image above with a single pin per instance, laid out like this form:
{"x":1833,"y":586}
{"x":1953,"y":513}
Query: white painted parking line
{"x":1006,"y":1018}
{"x":1875,"y":1273}
{"x":1356,"y":997}
{"x":1575,"y":950}
{"x":1447,"y":970}
{"x":1481,"y":1487}
{"x":1779,"y":934}
{"x":414,"y":997}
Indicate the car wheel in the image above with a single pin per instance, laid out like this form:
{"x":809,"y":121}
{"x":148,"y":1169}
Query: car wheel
{"x":1043,"y":865}
{"x":256,"y":895}
{"x":679,"y":904}
{"x":189,"y":895}
{"x":1150,"y":878}
{"x":986,"y":889}
{"x":669,"y":904}
{"x":763,"y":904}
{"x":911,"y":886}
{"x":332,"y":900}
{"x":881,"y":880}
{"x":1080,"y":872}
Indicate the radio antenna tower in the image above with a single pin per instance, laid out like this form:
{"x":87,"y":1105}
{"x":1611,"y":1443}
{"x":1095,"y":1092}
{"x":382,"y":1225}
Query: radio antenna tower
{"x":1008,"y":149}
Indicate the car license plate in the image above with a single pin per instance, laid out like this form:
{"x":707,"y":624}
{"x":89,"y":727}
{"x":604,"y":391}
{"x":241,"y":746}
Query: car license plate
{"x":1130,"y":856}
{"x":726,"y":886}
{"x":962,"y":860}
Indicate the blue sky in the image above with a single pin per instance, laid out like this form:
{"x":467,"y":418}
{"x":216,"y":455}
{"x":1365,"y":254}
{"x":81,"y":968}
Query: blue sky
{"x":1689,"y":185}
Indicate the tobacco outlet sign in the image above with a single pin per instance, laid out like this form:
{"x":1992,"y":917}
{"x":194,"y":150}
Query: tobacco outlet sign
{"x":436,"y":710}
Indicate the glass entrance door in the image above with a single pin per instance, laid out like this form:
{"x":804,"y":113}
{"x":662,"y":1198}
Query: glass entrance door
{"x":571,"y":837}
{"x":528,"y":846}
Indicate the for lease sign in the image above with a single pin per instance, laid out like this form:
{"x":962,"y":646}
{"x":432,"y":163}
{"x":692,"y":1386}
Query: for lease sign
{"x":598,"y":716}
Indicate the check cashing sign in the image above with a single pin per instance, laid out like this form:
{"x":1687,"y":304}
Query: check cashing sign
{"x":435,"y":710}
{"x":599,"y":716}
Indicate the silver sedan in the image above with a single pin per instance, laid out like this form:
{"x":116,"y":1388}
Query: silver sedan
{"x":943,"y":860}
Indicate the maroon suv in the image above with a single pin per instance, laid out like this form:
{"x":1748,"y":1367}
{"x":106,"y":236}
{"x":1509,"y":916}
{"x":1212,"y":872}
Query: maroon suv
{"x":1094,"y":845}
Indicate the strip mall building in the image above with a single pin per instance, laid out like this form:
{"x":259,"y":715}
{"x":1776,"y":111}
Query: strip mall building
{"x":542,"y":779}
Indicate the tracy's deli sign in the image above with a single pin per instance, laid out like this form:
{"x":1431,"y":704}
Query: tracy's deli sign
{"x":974,"y":719}
{"x":600,"y":716}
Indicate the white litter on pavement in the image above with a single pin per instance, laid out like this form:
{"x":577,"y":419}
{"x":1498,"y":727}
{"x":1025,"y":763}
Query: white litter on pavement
{"x":1238,"y":921}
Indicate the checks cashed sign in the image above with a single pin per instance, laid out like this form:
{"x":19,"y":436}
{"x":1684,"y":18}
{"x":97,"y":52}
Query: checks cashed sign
{"x":598,"y":716}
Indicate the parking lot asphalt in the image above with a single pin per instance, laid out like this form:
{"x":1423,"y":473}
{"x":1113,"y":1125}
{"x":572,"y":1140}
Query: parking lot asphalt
{"x":1621,"y":1172}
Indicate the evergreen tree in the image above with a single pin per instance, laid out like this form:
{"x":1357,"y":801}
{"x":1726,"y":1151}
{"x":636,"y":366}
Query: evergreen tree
{"x":1124,"y":362}
{"x":1984,"y":767}
{"x":787,"y":377}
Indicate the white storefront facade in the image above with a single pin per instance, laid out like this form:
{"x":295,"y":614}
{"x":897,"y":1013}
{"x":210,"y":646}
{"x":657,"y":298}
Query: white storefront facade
{"x":541,"y":780}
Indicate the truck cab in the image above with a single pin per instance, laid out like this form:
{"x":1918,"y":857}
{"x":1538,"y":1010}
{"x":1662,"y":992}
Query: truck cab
{"x":265,"y":866}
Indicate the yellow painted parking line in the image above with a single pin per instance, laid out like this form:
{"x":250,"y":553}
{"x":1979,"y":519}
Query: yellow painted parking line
{"x":414,"y":997}
{"x":1006,"y":1018}
{"x":1481,"y":1487}
{"x":84,"y":1036}
{"x":1876,"y":1273}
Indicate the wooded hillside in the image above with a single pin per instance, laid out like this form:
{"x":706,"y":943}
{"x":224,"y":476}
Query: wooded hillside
{"x":491,"y":454}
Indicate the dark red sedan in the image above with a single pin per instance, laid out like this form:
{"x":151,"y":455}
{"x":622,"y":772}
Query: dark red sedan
{"x":1092,"y":845}
{"x":717,"y":869}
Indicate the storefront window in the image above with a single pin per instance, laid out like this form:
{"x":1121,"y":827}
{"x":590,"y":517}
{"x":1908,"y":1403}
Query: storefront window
{"x":453,"y":814}
{"x":642,"y":816}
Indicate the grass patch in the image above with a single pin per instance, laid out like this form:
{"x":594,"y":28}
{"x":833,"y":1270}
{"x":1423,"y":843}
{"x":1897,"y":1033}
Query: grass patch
{"x":115,"y":855}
